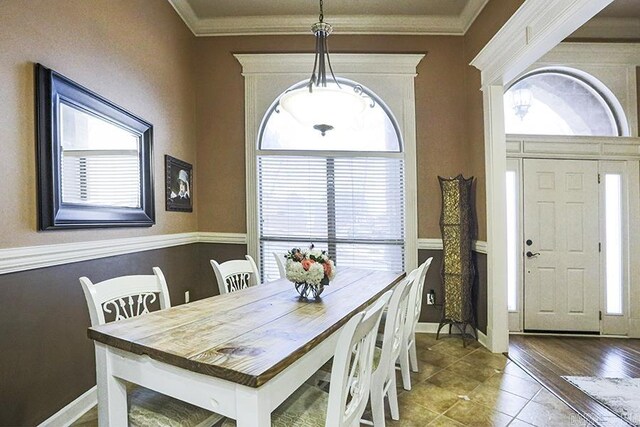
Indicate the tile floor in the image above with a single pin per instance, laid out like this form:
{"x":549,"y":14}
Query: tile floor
{"x":470,"y":386}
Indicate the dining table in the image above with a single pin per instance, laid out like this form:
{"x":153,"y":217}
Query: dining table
{"x":239,"y":354}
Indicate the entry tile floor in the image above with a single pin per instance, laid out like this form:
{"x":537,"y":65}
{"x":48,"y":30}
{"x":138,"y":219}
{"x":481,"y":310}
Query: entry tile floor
{"x":470,"y":386}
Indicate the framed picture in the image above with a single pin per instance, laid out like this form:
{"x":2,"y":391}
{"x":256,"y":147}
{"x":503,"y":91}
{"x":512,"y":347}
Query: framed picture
{"x":179,"y":181}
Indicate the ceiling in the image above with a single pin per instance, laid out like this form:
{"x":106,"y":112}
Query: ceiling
{"x":240,"y":17}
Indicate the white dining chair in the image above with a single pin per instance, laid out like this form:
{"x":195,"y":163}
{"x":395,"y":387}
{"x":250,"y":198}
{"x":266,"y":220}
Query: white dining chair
{"x":350,"y":385}
{"x":383,"y":380}
{"x":281,"y":263}
{"x":408,"y":355}
{"x":130,"y":296}
{"x":235,"y":274}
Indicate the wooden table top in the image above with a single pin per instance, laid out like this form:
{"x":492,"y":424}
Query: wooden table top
{"x":248,"y":336}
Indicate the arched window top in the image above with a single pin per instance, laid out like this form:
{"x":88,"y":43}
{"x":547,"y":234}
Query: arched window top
{"x":376,"y":131}
{"x":562,"y":101}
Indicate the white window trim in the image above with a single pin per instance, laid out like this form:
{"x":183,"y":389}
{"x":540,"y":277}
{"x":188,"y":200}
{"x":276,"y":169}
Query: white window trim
{"x":390,"y":76}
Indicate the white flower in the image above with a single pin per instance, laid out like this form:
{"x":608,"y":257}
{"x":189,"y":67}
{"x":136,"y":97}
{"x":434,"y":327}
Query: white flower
{"x":317,"y":253}
{"x":295,"y":272}
{"x":315,"y":273}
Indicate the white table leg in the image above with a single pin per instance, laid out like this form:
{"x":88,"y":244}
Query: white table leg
{"x":112,"y":392}
{"x":252,"y":408}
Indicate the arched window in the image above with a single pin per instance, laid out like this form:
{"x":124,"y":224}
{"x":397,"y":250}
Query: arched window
{"x":562,"y":101}
{"x":343,"y":192}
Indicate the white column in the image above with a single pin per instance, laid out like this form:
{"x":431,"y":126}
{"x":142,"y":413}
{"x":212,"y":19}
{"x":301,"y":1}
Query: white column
{"x":495,"y":172}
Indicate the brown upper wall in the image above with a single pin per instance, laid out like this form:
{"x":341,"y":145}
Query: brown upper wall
{"x":220,"y":107}
{"x":136,"y":53}
{"x":491,"y":19}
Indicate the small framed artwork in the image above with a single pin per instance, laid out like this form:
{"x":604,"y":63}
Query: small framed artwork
{"x":179,"y":180}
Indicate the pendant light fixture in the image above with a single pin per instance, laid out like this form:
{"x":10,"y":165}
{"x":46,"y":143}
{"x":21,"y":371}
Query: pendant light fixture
{"x":322,"y":106}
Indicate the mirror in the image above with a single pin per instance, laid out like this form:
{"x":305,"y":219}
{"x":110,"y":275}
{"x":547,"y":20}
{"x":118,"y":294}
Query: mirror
{"x":94,"y":159}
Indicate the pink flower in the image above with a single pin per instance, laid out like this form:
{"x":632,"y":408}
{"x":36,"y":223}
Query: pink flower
{"x":306,"y":263}
{"x":327,"y":269}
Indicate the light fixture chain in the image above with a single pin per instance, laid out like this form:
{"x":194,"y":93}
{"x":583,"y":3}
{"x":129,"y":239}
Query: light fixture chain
{"x":321,"y":17}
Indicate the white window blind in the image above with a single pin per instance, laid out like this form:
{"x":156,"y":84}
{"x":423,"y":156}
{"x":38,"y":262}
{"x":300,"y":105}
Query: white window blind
{"x":351,"y":206}
{"x":101,"y":178}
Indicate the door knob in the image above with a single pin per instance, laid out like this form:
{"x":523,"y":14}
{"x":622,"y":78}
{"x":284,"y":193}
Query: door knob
{"x":530,"y":254}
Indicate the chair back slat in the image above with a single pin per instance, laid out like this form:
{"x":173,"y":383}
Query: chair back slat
{"x":282,"y":266}
{"x":235,"y":274}
{"x":415,"y":299}
{"x":353,"y":365}
{"x":394,"y":327}
{"x":125,"y":297}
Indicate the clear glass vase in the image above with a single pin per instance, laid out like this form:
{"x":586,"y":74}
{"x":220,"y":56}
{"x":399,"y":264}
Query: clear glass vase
{"x":309,"y":291}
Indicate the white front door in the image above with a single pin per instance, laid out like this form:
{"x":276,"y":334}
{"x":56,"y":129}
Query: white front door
{"x":561,"y":260}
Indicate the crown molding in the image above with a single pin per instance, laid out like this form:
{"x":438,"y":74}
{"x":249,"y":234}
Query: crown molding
{"x":470,"y":12}
{"x":347,"y":24}
{"x":609,"y":28}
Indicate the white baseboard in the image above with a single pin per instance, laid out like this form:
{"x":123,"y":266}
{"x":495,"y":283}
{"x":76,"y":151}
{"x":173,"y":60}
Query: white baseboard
{"x":432,"y":328}
{"x":74,"y":410}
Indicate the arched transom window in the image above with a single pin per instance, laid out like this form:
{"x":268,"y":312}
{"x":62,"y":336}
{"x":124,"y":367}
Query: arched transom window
{"x":343,"y":191}
{"x":562,"y":101}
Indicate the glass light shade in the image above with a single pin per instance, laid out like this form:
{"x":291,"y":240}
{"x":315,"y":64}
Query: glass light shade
{"x":324,"y":106}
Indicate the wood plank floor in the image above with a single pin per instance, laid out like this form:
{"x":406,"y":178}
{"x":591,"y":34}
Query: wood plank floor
{"x":548,"y":358}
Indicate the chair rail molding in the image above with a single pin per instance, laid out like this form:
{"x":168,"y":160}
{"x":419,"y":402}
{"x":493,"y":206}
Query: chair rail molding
{"x":17,"y":259}
{"x":478,"y":246}
{"x":31,"y":257}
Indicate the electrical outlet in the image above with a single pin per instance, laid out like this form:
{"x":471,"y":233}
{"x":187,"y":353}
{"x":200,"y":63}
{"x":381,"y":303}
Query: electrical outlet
{"x":187,"y":297}
{"x":431,"y":297}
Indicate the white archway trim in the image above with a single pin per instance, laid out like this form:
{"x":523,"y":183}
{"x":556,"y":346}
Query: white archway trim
{"x":390,"y":76}
{"x":535,"y":28}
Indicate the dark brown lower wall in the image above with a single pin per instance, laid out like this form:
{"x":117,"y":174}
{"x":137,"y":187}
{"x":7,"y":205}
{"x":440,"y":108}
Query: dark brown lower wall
{"x":46,"y":359}
{"x":433,"y":281}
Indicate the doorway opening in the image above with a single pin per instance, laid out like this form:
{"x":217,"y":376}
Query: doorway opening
{"x":567,"y":205}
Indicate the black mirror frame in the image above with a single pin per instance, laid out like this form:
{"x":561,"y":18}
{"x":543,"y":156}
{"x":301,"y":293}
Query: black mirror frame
{"x":52,"y":87}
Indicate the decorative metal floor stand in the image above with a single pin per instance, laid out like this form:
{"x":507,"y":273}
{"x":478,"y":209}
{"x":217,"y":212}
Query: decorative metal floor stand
{"x":462,"y":327}
{"x":456,"y":223}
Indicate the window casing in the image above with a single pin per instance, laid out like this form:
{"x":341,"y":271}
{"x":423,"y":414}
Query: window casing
{"x":391,"y":76}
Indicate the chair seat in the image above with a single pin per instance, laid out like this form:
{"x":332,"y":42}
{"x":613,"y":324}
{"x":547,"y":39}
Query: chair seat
{"x":306,"y":407}
{"x":148,"y":408}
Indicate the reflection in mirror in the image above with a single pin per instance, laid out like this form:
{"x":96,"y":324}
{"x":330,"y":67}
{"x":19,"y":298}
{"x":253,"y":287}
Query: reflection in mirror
{"x":94,"y":159}
{"x":97,"y":156}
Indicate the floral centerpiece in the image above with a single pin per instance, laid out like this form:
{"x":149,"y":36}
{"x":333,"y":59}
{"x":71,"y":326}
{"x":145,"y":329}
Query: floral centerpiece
{"x":310,"y":270}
